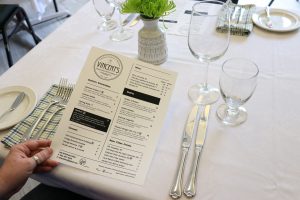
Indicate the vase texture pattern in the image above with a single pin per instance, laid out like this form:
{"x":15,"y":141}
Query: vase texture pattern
{"x":152,"y":47}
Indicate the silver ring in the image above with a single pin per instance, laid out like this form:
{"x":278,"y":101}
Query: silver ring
{"x":36,"y":159}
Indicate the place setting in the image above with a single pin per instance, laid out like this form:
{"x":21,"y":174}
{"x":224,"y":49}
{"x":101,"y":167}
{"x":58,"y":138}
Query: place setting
{"x":237,"y":84}
{"x":38,"y":120}
{"x":106,"y":9}
{"x":16,"y":103}
{"x":275,"y":19}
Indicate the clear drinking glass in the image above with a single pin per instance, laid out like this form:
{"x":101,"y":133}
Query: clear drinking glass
{"x":105,"y":11}
{"x":122,"y":33}
{"x":206,"y":44}
{"x":237,"y":83}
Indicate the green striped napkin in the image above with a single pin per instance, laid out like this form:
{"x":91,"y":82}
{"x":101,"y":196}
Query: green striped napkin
{"x":15,"y":134}
{"x":241,"y":19}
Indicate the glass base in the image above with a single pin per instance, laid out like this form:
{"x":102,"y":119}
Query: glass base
{"x":121,"y":36}
{"x":107,"y":26}
{"x":231,"y":119}
{"x":202,"y":95}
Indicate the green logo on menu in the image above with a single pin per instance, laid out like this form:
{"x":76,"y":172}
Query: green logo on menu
{"x":108,"y":67}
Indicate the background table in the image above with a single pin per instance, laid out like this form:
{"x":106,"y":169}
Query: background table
{"x":259,"y":159}
{"x":37,"y":10}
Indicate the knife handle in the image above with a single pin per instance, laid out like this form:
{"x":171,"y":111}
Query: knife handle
{"x":176,"y":189}
{"x":190,"y":187}
{"x":30,"y":130}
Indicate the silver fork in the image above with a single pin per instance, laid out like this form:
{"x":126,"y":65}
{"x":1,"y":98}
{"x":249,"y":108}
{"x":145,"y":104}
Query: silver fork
{"x":65,"y":98}
{"x":56,"y":99}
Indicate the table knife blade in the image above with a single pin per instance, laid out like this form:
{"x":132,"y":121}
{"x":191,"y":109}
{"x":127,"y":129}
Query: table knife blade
{"x":14,"y":105}
{"x":190,"y":187}
{"x":176,"y":188}
{"x":135,"y":21}
{"x":268,"y":19}
{"x":128,"y":19}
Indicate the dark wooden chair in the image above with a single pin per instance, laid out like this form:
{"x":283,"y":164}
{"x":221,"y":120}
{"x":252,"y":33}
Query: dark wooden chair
{"x":14,"y":13}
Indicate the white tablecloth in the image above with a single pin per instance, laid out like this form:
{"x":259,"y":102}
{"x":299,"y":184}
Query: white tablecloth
{"x":259,"y":159}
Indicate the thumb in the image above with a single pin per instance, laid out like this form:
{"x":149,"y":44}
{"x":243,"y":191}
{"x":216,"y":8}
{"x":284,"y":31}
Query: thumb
{"x":44,"y":155}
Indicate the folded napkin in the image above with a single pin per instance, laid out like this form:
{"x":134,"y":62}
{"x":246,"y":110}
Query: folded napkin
{"x":241,"y":19}
{"x":15,"y":134}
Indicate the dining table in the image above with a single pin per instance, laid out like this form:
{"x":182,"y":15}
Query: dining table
{"x":258,"y":159}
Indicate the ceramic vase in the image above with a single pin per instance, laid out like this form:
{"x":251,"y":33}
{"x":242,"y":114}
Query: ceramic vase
{"x":152,"y":47}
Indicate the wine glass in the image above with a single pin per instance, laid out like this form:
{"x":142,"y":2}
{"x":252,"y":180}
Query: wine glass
{"x":237,"y":83}
{"x":121,"y":34}
{"x":105,"y":11}
{"x":206,"y":44}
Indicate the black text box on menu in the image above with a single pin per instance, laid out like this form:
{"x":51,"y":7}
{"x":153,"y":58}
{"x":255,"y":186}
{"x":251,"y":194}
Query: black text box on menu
{"x":90,"y":120}
{"x":141,"y":96}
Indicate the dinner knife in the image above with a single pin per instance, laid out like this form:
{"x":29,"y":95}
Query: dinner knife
{"x":269,"y":21}
{"x":128,"y":19}
{"x":190,"y":187}
{"x":14,"y":105}
{"x":135,"y":21}
{"x":176,"y":188}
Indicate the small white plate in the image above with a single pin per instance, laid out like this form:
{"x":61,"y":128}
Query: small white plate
{"x":282,"y":20}
{"x":7,"y":97}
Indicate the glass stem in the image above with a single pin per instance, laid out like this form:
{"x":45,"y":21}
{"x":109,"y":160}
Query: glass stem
{"x":232,"y":111}
{"x":121,"y":29}
{"x":205,"y":78}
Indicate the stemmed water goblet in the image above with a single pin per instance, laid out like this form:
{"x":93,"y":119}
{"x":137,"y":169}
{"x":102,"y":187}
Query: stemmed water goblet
{"x":122,"y":33}
{"x":105,"y":11}
{"x":237,"y":83}
{"x":206,"y":44}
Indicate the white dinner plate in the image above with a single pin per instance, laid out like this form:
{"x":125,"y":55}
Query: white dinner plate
{"x":282,"y":20}
{"x":7,"y":97}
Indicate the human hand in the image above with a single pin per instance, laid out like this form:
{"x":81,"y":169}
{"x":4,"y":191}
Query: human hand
{"x":24,"y":159}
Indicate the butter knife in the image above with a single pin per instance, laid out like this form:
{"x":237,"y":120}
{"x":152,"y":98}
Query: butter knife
{"x":14,"y":105}
{"x":135,"y":21}
{"x":176,"y":188}
{"x":190,"y":187}
{"x":268,"y":19}
{"x":128,"y":19}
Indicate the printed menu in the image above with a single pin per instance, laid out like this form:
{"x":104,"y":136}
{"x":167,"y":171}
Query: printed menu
{"x":112,"y":122}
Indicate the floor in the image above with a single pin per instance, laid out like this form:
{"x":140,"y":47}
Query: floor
{"x":22,"y":43}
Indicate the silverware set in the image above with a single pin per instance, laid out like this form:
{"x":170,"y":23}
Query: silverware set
{"x":201,"y":123}
{"x":60,"y":99}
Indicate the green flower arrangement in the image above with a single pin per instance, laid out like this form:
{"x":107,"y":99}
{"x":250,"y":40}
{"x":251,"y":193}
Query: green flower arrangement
{"x":149,"y":9}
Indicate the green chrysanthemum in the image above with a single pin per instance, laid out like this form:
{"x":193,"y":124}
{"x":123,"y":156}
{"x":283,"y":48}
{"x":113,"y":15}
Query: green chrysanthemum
{"x":149,"y":8}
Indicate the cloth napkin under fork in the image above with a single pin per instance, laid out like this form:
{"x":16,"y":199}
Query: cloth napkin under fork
{"x":15,"y":134}
{"x":241,"y":19}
